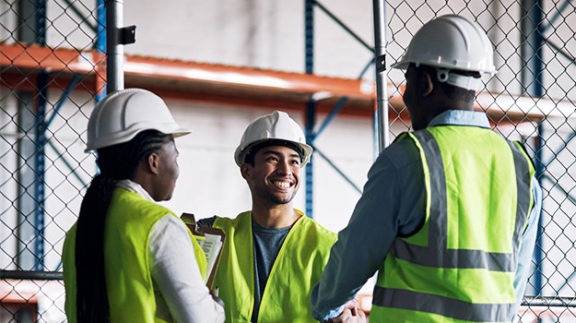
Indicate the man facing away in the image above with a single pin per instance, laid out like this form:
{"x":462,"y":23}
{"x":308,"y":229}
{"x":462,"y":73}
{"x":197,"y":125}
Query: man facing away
{"x":449,"y":213}
{"x":273,"y":254}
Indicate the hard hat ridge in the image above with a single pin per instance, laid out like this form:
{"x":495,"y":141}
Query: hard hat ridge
{"x":276,"y":127}
{"x":451,"y":43}
{"x":121,"y":115}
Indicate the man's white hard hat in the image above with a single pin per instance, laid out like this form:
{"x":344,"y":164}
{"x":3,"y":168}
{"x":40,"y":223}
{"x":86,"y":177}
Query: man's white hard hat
{"x":121,"y":115}
{"x":276,"y":126}
{"x":451,"y":42}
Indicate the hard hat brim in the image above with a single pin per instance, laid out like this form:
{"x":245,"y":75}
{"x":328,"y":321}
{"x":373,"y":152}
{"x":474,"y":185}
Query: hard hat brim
{"x":107,"y":141}
{"x":240,"y":153}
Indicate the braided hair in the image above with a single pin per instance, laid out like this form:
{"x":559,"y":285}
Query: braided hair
{"x":117,"y":162}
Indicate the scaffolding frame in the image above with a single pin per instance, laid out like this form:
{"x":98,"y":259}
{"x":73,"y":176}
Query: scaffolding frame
{"x":306,"y":91}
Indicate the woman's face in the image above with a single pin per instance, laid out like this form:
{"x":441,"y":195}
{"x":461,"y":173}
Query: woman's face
{"x":168,"y":172}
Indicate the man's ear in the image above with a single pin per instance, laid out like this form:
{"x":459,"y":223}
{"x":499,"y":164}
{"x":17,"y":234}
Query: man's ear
{"x":426,"y":84}
{"x":246,"y":170}
{"x":153,"y":163}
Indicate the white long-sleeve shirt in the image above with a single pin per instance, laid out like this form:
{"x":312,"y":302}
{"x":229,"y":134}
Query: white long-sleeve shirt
{"x":181,"y":293}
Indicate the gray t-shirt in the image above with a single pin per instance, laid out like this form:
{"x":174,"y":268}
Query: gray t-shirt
{"x":267,"y":244}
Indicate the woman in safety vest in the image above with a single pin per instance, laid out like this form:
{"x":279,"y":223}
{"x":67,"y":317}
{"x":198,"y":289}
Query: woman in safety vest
{"x":128,"y":259}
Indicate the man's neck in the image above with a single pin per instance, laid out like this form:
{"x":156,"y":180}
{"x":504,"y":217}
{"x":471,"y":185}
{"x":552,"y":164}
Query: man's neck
{"x":278,"y":216}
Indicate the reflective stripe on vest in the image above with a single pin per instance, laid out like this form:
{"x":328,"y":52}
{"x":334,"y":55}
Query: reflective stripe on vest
{"x":463,"y":258}
{"x":437,"y":254}
{"x":450,"y":307}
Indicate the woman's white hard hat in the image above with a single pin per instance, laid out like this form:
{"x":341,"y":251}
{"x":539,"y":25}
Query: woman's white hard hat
{"x":122,"y":114}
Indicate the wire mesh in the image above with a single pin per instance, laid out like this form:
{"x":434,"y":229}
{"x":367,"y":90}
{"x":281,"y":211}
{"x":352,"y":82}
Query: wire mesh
{"x":531,"y":98}
{"x":48,"y":52}
{"x":43,"y":171}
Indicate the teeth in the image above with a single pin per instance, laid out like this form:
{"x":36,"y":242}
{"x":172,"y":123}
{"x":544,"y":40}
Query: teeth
{"x":282,"y":184}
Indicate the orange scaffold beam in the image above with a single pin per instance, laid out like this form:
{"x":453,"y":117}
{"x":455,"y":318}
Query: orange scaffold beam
{"x":232,"y":85}
{"x":176,"y":79}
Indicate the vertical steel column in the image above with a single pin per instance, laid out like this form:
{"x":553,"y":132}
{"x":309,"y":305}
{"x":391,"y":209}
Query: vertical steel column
{"x":31,"y":148}
{"x":114,"y":48}
{"x":40,"y":139}
{"x":100,"y":45}
{"x":381,"y":124}
{"x":538,"y":255}
{"x":40,"y":170}
{"x":311,"y":105}
{"x":532,"y":84}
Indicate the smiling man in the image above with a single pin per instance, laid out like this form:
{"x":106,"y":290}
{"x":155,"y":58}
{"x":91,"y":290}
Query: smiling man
{"x":273,"y":254}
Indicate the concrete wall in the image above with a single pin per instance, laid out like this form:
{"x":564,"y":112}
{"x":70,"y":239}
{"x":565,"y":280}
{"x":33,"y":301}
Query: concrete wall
{"x":270,"y":34}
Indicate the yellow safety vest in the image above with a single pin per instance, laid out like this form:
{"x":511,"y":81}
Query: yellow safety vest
{"x":460,"y":266}
{"x":298,"y":266}
{"x":128,"y":278}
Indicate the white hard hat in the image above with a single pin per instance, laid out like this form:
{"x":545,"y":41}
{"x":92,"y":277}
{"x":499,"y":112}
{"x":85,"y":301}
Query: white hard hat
{"x":451,"y":42}
{"x":274,"y":126}
{"x":121,"y":115}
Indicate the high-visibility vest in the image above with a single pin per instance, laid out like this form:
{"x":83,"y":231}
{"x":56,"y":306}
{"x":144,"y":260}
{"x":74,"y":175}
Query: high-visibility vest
{"x":129,"y":284}
{"x":298,"y":266}
{"x":460,"y":266}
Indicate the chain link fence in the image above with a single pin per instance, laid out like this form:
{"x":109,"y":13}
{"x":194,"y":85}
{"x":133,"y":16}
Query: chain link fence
{"x":531,"y":98}
{"x":52,"y":70}
{"x":48,"y":51}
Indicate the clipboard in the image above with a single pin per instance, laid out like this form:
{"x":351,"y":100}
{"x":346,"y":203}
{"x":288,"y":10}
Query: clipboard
{"x":211,"y":240}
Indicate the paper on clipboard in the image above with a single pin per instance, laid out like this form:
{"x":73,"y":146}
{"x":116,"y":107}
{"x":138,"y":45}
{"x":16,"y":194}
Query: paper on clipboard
{"x":211,"y":240}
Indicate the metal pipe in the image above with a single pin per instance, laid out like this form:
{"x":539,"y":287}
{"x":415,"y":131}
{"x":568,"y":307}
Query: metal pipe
{"x":338,"y":170}
{"x":337,"y":107}
{"x":566,"y":5}
{"x":100,"y":46}
{"x":381,"y":114}
{"x":71,"y":86}
{"x":114,"y":50}
{"x":311,"y":104}
{"x":366,"y":67}
{"x":310,"y":138}
{"x":80,"y":15}
{"x":549,"y":301}
{"x":40,"y":170}
{"x":532,"y":84}
{"x":31,"y":173}
{"x":62,"y":157}
{"x":31,"y":274}
{"x":538,"y":254}
{"x":560,"y":51}
{"x":343,"y":25}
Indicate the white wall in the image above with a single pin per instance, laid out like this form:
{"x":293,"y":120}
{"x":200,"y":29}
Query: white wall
{"x":210,"y":181}
{"x":270,"y":34}
{"x":8,"y":162}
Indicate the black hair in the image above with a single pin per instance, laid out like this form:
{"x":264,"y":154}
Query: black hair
{"x":116,"y":162}
{"x":249,"y":156}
